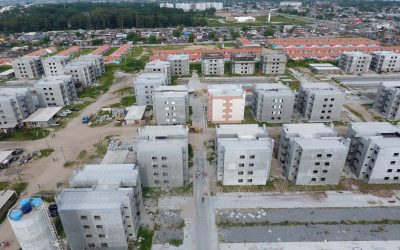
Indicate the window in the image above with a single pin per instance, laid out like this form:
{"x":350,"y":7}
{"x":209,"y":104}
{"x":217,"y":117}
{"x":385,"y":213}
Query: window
{"x":99,"y":226}
{"x":155,"y":166}
{"x":166,"y":181}
{"x":96,"y":217}
{"x":250,"y":172}
{"x":325,"y":171}
{"x":83,"y":217}
{"x":155,"y":173}
{"x":104,"y":245}
{"x":251,"y":164}
{"x":398,"y":170}
{"x":392,"y":162}
{"x":322,"y":179}
{"x":329,"y":155}
{"x":319,"y":155}
{"x":249,"y":180}
{"x":396,"y":178}
{"x":165,"y":174}
{"x":386,"y":178}
{"x":241,"y":157}
{"x":396,"y":154}
{"x":317,"y":163}
{"x":164,"y":158}
{"x":86,"y":227}
{"x":315,"y":171}
{"x":89,"y":236}
{"x":156,"y":181}
{"x":154,"y":158}
{"x":326,"y":163}
{"x":252,"y":156}
{"x":240,"y":173}
{"x":164,"y":166}
{"x":241,"y":165}
{"x":91,"y":245}
{"x":102,"y":236}
{"x":313,"y":179}
{"x":240,"y":180}
{"x":390,"y":170}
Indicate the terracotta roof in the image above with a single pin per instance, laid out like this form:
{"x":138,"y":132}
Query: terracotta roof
{"x":69,"y":51}
{"x":100,"y":50}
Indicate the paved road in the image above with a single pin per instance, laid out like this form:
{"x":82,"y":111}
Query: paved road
{"x":299,"y":76}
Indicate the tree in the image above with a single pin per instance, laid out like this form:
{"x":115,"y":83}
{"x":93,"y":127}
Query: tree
{"x":191,"y":38}
{"x":245,"y":28}
{"x":152,"y":39}
{"x":235,"y":34}
{"x":211,"y":35}
{"x":269,"y":31}
{"x":133,"y":36}
{"x":177,"y":32}
{"x":96,"y":42}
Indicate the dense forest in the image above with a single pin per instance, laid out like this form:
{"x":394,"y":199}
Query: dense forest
{"x":97,"y":16}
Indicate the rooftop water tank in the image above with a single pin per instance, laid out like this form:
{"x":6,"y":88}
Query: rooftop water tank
{"x":26,"y":206}
{"x":37,"y":202}
{"x":16,"y":215}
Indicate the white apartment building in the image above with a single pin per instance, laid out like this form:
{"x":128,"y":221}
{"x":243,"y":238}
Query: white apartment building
{"x":28,"y":67}
{"x":161,"y":152}
{"x":213,"y":64}
{"x":374,"y":153}
{"x":319,"y":102}
{"x":16,"y":104}
{"x":244,"y":154}
{"x":56,"y":91}
{"x":226,"y":103}
{"x":83,"y":73}
{"x":385,"y":61}
{"x":145,"y":85}
{"x":355,"y":62}
{"x":179,"y":64}
{"x":274,"y":102}
{"x":54,"y":65}
{"x":312,"y":154}
{"x":387,"y":100}
{"x":243,"y":63}
{"x":159,"y":67}
{"x":95,"y":60}
{"x":274,"y":62}
{"x":171,"y":105}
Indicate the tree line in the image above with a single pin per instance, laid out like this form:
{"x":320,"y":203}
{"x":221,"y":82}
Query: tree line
{"x":97,"y":16}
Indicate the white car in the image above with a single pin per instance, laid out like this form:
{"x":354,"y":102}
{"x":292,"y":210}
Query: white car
{"x":55,"y":124}
{"x":67,"y":111}
{"x":63,"y":114}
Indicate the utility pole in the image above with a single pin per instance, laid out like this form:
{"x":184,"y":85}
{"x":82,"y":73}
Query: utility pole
{"x":62,"y":151}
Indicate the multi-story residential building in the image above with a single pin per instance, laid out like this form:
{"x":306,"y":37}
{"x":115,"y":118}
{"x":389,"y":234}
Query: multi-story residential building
{"x":243,"y":63}
{"x":385,"y":61}
{"x":95,"y":60}
{"x":311,"y":154}
{"x":374,"y":153}
{"x":244,"y":154}
{"x":355,"y":62}
{"x":212,"y":64}
{"x":274,"y":63}
{"x":16,"y":104}
{"x":226,"y":103}
{"x":28,"y":67}
{"x":159,"y":67}
{"x":179,"y":64}
{"x":54,"y":65}
{"x":102,"y":209}
{"x":171,"y":105}
{"x":145,"y":84}
{"x":274,"y":102}
{"x":320,"y":102}
{"x":162,"y":155}
{"x":83,"y":73}
{"x":387,"y":100}
{"x":56,"y":91}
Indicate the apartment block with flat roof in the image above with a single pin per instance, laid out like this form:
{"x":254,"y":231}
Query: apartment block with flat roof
{"x":103,"y":207}
{"x":274,"y":63}
{"x":83,"y":73}
{"x":274,"y":103}
{"x":16,"y":104}
{"x":162,"y":155}
{"x":96,"y":60}
{"x":145,"y":85}
{"x":28,"y":67}
{"x":355,"y":62}
{"x":387,"y":100}
{"x":56,"y":91}
{"x":159,"y":67}
{"x":385,"y":61}
{"x":318,"y":102}
{"x":54,"y":65}
{"x":243,"y":63}
{"x":226,"y":103}
{"x":374,"y":151}
{"x":171,"y":105}
{"x":244,"y":154}
{"x":212,"y":64}
{"x":179,"y":64}
{"x":312,"y":154}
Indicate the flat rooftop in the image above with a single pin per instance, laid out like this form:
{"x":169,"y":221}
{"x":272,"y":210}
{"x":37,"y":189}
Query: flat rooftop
{"x":50,"y":80}
{"x":86,"y":198}
{"x":241,"y":131}
{"x":382,"y":142}
{"x":115,"y":175}
{"x":4,"y":155}
{"x":178,"y":57}
{"x":135,"y":112}
{"x":373,"y":128}
{"x":177,"y":88}
{"x":225,"y":90}
{"x":151,"y":77}
{"x":43,"y":114}
{"x":317,"y":143}
{"x":309,"y":129}
{"x":233,"y":144}
{"x":271,"y":86}
{"x":116,"y":157}
{"x":163,"y":132}
{"x":5,"y":195}
{"x":8,"y":91}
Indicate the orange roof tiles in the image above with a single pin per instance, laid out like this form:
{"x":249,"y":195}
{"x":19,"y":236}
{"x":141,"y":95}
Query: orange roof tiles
{"x":244,"y":41}
{"x":69,"y":51}
{"x":41,"y":52}
{"x":4,"y":60}
{"x":100,"y":50}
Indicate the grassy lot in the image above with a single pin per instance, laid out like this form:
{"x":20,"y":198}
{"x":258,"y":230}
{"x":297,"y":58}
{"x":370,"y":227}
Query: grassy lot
{"x":146,"y":236}
{"x":356,"y":113}
{"x":248,"y":116}
{"x":59,"y":227}
{"x":5,"y":67}
{"x":306,"y":62}
{"x":125,"y":101}
{"x":45,"y":152}
{"x":105,"y":82}
{"x":127,"y":90}
{"x":23,"y":134}
{"x":155,"y":193}
{"x":110,"y":51}
{"x":285,"y":20}
{"x":197,"y":67}
{"x":82,"y":52}
{"x":18,"y":187}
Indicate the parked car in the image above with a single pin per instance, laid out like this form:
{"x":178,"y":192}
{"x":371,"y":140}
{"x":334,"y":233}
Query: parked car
{"x":55,"y":124}
{"x":63,"y":114}
{"x":67,"y":111}
{"x":53,"y":210}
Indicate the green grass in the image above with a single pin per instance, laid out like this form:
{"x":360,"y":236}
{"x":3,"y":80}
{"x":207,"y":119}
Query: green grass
{"x":285,"y":20}
{"x":356,"y":113}
{"x":306,"y":62}
{"x":155,"y":192}
{"x":68,"y":164}
{"x":248,"y":116}
{"x":105,"y":82}
{"x":176,"y":242}
{"x":4,"y":185}
{"x":127,"y":90}
{"x":190,"y":151}
{"x":110,"y":51}
{"x":5,"y":67}
{"x":196,"y":67}
{"x":23,"y":134}
{"x":125,"y":101}
{"x":46,"y":152}
{"x":59,"y":227}
{"x":19,"y":187}
{"x":82,"y":52}
{"x":146,"y":236}
{"x":46,"y":195}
